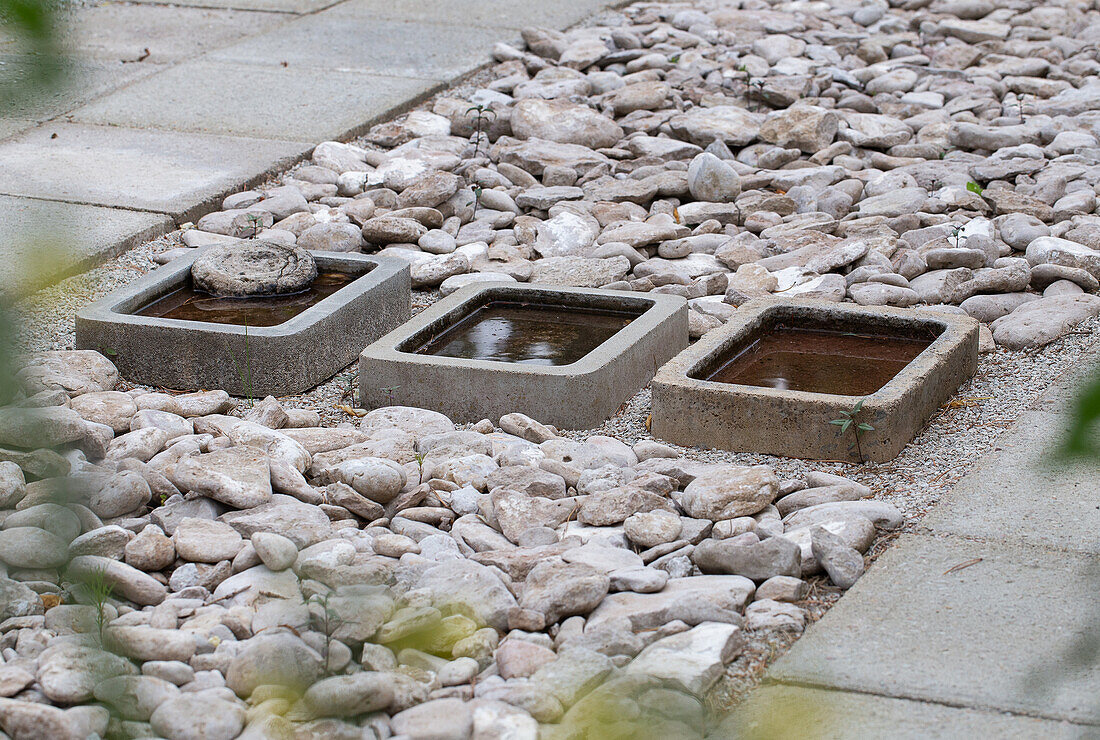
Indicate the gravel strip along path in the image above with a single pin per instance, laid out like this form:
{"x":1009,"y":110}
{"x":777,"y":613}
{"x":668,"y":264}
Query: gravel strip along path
{"x":895,"y":156}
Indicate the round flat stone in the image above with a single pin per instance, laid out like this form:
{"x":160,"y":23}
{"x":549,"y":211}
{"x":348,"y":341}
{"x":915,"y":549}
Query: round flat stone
{"x":253,"y":268}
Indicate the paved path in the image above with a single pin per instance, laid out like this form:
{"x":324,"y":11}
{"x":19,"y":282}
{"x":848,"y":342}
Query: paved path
{"x":228,"y":92}
{"x":978,"y":624}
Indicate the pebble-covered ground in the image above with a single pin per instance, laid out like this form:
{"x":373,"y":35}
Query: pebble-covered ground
{"x":194,"y":566}
{"x":1005,"y":384}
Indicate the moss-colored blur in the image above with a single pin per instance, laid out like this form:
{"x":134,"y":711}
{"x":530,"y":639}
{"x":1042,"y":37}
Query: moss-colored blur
{"x":33,"y":28}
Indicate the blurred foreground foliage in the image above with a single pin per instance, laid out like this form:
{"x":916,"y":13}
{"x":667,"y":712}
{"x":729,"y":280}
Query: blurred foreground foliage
{"x":1080,"y":442}
{"x":34,"y":27}
{"x":35,"y":65}
{"x":1080,"y":446}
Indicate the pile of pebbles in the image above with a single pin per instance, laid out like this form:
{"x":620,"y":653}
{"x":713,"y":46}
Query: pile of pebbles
{"x":260,"y":575}
{"x":942,"y":156}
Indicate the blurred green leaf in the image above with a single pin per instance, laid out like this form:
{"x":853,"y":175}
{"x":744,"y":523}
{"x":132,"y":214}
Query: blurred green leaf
{"x":8,"y":328}
{"x":42,"y":65}
{"x":1084,"y":415}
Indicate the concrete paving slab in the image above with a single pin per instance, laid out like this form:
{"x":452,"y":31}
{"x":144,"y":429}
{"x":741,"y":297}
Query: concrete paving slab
{"x":118,"y":32}
{"x":1000,"y":633}
{"x":275,"y":6}
{"x":44,"y":241}
{"x":1018,"y":494}
{"x":500,"y":14}
{"x":12,"y":126}
{"x":85,"y":80}
{"x":178,"y":174}
{"x":266,"y":102}
{"x":333,"y":41}
{"x":1060,"y":397}
{"x":790,"y":711}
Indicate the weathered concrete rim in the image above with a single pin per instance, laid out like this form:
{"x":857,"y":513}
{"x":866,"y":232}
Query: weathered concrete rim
{"x":117,"y":306}
{"x":653,"y":310}
{"x":291,"y":357}
{"x":952,"y":329}
{"x":580,"y":395}
{"x":690,"y":411}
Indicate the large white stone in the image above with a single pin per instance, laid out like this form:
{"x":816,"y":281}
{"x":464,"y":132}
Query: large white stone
{"x":693,"y":660}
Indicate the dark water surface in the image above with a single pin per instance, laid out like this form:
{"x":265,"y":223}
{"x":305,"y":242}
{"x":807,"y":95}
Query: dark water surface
{"x":532,"y":333}
{"x":820,"y":361}
{"x":189,"y":304}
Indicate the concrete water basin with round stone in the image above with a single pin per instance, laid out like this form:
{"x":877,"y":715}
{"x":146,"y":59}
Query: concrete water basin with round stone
{"x":780,"y":371}
{"x":568,"y":357}
{"x":162,"y":330}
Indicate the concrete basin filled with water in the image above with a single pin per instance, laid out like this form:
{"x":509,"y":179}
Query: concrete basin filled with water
{"x":564,"y":356}
{"x":843,"y":363}
{"x":188,"y":303}
{"x":530,"y":333}
{"x":162,"y":331}
{"x":780,"y":371}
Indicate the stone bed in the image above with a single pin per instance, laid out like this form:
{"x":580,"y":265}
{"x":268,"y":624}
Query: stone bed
{"x":325,"y":571}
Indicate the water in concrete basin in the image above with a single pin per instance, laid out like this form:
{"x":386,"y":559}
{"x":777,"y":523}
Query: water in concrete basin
{"x":189,"y":304}
{"x":535,"y":334}
{"x":820,"y":361}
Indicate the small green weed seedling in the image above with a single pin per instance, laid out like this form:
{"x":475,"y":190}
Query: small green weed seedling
{"x":255,"y":223}
{"x":349,"y":388}
{"x":420,"y":456}
{"x":97,"y":589}
{"x":482,"y":114}
{"x":245,"y":373}
{"x":851,"y":421}
{"x":330,"y":621}
{"x":389,"y":391}
{"x":957,"y":235}
{"x":975,"y":188}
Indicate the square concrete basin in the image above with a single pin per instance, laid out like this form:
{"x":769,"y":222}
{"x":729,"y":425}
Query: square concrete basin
{"x":773,"y":378}
{"x":160,"y":332}
{"x":564,"y":356}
